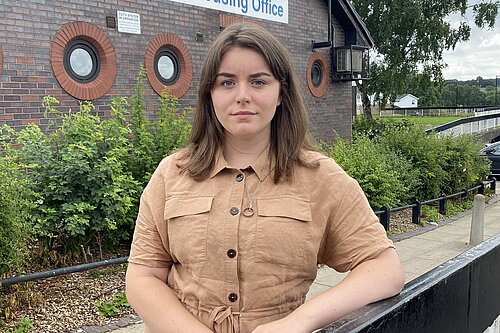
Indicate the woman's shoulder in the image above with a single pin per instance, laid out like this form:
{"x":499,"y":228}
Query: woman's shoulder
{"x":326,"y":173}
{"x":172,"y":162}
{"x":325,"y":163}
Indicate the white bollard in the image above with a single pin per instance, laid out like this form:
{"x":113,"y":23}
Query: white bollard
{"x":477,"y":224}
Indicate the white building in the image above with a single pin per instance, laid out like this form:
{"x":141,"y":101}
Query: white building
{"x":406,"y":101}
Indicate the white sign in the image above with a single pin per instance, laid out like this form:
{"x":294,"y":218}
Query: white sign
{"x":129,"y":22}
{"x":273,"y":10}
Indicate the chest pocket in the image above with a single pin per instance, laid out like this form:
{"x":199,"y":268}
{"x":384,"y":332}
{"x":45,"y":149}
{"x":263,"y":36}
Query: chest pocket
{"x":187,"y":223}
{"x":283,"y":233}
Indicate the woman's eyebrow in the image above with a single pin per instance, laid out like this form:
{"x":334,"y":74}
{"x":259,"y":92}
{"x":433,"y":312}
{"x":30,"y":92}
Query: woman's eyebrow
{"x":254,"y":75}
{"x":260,"y":74}
{"x":225,"y":74}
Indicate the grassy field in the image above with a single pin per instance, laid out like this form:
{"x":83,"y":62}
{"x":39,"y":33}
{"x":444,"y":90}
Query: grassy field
{"x":429,"y":121}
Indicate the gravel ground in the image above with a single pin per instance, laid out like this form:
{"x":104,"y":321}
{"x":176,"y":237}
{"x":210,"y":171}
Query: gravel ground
{"x":68,"y":303}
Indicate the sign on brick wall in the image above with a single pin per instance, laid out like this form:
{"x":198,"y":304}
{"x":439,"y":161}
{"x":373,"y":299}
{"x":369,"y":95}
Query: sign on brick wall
{"x":273,"y":10}
{"x":129,"y":22}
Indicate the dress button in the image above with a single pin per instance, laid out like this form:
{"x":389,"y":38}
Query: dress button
{"x":232,"y":297}
{"x":234,"y":211}
{"x":239,"y":177}
{"x":231,"y":253}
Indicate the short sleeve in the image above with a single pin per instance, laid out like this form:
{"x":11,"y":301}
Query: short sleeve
{"x":150,"y":241}
{"x":354,"y":234}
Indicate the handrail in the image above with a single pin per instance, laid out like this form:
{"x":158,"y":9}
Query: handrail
{"x":384,"y":214}
{"x":462,"y":121}
{"x":61,"y":271}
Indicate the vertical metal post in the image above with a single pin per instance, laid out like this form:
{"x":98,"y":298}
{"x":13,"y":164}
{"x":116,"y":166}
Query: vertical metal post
{"x":481,"y":189}
{"x":415,"y":212}
{"x":442,"y":205}
{"x":385,"y":217}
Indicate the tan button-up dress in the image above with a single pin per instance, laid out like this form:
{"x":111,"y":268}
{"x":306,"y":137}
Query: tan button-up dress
{"x":235,"y":272}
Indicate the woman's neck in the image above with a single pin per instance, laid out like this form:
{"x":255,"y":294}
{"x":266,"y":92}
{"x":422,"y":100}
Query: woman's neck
{"x":242,"y":153}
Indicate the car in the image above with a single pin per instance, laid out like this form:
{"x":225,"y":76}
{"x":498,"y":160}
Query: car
{"x":492,"y":151}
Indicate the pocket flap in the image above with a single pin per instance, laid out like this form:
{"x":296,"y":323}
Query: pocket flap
{"x":177,"y":206}
{"x":294,"y":208}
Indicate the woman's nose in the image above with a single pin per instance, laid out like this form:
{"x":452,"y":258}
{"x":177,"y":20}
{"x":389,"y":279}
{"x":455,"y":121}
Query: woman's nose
{"x":243,"y":94}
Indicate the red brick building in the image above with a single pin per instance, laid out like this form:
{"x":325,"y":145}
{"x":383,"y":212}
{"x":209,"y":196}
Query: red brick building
{"x":91,"y":50}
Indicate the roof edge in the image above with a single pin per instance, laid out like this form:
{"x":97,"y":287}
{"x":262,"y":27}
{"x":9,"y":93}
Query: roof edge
{"x":357,"y":21}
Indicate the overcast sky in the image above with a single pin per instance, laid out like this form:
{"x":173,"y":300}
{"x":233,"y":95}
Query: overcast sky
{"x":480,"y":56}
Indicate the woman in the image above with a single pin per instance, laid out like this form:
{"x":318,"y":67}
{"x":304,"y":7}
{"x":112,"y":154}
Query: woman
{"x":231,"y":228}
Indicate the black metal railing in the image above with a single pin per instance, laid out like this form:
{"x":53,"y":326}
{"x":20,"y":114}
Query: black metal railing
{"x":384,"y":214}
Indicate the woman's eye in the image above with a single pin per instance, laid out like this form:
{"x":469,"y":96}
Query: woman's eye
{"x":227,"y":83}
{"x":259,"y":82}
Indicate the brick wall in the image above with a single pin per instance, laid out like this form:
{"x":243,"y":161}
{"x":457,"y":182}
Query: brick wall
{"x":27,"y":29}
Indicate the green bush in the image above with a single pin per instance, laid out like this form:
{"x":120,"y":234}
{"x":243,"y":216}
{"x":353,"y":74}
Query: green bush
{"x":89,"y":172}
{"x":461,"y":163}
{"x":78,"y":170}
{"x":153,"y":140}
{"x":384,"y":176}
{"x":16,"y":201}
{"x":423,"y":152}
{"x":376,"y":127}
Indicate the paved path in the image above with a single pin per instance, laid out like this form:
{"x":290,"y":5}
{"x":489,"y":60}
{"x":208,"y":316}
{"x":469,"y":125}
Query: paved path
{"x":426,"y":249}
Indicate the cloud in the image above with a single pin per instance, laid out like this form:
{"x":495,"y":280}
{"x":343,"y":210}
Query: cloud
{"x":493,"y":41}
{"x":479,"y":56}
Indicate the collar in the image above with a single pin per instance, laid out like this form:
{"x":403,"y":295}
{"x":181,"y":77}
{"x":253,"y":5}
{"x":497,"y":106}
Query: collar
{"x":261,"y":165}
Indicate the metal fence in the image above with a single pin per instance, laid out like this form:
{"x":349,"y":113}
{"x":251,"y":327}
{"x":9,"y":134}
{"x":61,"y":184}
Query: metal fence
{"x":384,"y":214}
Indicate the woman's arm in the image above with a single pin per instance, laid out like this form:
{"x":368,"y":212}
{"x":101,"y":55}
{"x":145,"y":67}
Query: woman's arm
{"x":155,"y":302}
{"x":370,"y":281}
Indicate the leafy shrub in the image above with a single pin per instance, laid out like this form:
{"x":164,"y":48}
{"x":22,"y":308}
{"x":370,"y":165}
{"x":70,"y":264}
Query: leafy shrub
{"x":384,"y":176}
{"x":376,"y":127}
{"x":152,"y":141}
{"x":78,"y":170}
{"x":88,"y":172}
{"x":423,"y":152}
{"x":461,"y":163}
{"x":16,"y":200}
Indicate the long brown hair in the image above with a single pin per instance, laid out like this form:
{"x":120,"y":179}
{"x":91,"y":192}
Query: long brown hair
{"x":289,"y":126}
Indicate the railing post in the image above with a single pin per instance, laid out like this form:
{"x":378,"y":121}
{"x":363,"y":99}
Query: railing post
{"x":385,"y":217}
{"x":442,"y":205}
{"x":464,"y":195}
{"x":415,"y":211}
{"x":493,"y":185}
{"x":481,"y":189}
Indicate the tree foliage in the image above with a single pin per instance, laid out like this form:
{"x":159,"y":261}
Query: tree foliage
{"x":460,"y":94}
{"x":410,"y":37}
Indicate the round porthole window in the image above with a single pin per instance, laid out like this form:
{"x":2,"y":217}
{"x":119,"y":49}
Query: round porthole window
{"x":316,"y":74}
{"x":81,"y":61}
{"x":166,"y":66}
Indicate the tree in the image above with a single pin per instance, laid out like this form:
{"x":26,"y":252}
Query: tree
{"x":410,"y":37}
{"x":460,"y":93}
{"x":427,"y":90}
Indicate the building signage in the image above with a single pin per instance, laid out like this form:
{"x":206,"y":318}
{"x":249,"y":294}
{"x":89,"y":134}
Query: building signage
{"x":129,"y":22}
{"x":273,"y":10}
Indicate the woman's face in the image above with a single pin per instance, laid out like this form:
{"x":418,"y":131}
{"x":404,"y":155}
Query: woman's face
{"x":245,"y":95}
